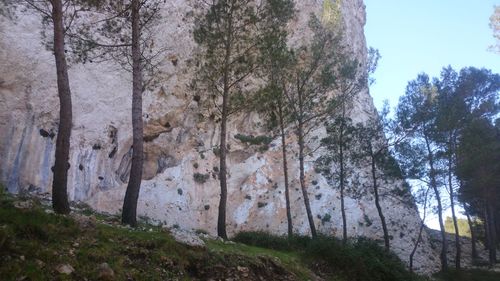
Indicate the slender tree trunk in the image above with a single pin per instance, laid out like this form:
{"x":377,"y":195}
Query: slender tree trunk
{"x":342,"y":178}
{"x":458,"y":247}
{"x":285,"y":171}
{"x":61,"y":165}
{"x":420,"y":230}
{"x":491,"y":233}
{"x":486,"y":229}
{"x":300,"y":133}
{"x":454,"y":217}
{"x":414,"y":250}
{"x":472,"y":236}
{"x":444,"y":246}
{"x":129,"y":213}
{"x":377,"y":201}
{"x":303,"y":180}
{"x":221,"y":220}
{"x":444,"y":249}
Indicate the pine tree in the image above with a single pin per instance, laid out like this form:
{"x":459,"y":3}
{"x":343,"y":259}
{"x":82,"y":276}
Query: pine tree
{"x":60,"y":15}
{"x":479,"y":170}
{"x":373,"y":151}
{"x":270,"y":101}
{"x":230,"y":35}
{"x":122,"y":34}
{"x":416,"y":113}
{"x":340,"y":132}
{"x":309,"y":91}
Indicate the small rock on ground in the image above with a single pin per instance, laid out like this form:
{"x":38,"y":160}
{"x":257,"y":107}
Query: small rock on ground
{"x":106,"y":272}
{"x":65,"y":269}
{"x":187,"y":238}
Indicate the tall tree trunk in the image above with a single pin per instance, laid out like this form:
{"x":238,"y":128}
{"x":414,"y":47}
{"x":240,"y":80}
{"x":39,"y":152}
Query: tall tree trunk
{"x":300,"y":132}
{"x":377,"y":201}
{"x":342,"y":177}
{"x":414,"y":250}
{"x":285,"y":170}
{"x":221,"y":220}
{"x":61,"y":165}
{"x":129,"y":213}
{"x":491,"y":232}
{"x":303,"y":186}
{"x":454,"y":217}
{"x":444,"y":248}
{"x":472,"y":236}
{"x":458,"y":247}
{"x":420,"y":230}
{"x":433,"y":182}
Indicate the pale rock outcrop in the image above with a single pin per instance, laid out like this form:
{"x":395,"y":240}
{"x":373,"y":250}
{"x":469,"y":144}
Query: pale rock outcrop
{"x":180,"y":141}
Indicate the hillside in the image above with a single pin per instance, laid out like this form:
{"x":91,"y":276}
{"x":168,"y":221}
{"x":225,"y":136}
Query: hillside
{"x":38,"y":245}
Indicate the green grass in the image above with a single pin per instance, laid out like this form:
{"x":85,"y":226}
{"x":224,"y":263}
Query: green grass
{"x":34,"y":241}
{"x":288,"y":259}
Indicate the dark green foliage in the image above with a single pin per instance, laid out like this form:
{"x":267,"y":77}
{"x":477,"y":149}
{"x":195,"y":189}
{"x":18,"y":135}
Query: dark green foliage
{"x":254,"y":140}
{"x":200,"y":178}
{"x":368,"y":221}
{"x":437,"y":116}
{"x":110,"y":38}
{"x":360,"y":259}
{"x":326,"y":218}
{"x":269,"y":241}
{"x":468,"y":275}
{"x":216,"y":151}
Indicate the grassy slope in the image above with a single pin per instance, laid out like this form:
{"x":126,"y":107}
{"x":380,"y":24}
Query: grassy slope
{"x":33,"y":242}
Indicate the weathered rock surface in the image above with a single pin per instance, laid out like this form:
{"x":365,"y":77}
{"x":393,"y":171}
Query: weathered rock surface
{"x":180,"y":141}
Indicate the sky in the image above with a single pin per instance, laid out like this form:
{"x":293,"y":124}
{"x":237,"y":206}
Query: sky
{"x":425,"y":36}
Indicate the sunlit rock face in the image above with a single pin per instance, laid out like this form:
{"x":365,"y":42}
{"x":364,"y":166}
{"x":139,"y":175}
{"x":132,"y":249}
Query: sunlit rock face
{"x":180,"y":185}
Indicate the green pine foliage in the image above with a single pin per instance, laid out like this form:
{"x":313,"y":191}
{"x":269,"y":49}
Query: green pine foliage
{"x":359,"y":259}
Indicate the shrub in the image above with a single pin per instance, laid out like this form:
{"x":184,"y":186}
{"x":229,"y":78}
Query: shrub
{"x":261,"y":204}
{"x":269,"y":241}
{"x":200,"y":178}
{"x":258,"y":140}
{"x":360,"y":259}
{"x":367,"y":219}
{"x":326,"y":218}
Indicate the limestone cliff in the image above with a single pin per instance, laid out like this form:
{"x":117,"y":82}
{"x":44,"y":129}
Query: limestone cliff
{"x":180,"y":141}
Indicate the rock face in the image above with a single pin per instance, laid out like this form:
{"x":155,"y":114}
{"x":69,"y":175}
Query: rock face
{"x":180,"y":185}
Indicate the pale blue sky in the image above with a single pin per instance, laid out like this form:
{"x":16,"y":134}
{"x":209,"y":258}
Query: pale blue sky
{"x":424,"y":36}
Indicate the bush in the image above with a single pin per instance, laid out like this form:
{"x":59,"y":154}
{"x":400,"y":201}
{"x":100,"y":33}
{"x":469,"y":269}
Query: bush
{"x":258,"y":140}
{"x":360,"y":259}
{"x":200,"y":178}
{"x":269,"y":241}
{"x":468,"y":275}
